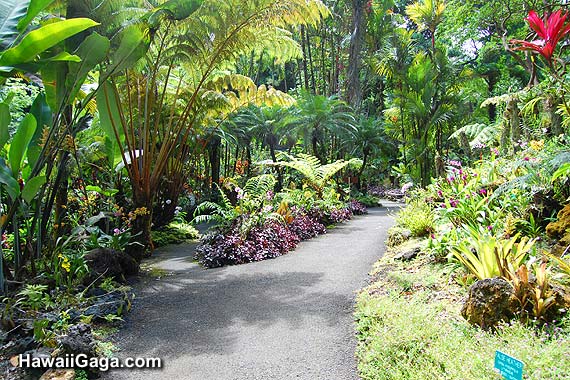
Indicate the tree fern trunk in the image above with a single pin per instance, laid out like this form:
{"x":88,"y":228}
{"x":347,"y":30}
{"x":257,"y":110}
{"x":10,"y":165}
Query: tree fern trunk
{"x":311,"y":66}
{"x":353,"y":88}
{"x":304,"y":49}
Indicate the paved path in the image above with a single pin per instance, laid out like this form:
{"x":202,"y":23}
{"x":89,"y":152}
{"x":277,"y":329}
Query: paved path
{"x":286,"y":318}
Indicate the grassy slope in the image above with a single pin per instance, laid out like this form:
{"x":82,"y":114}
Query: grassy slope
{"x":410,"y":327}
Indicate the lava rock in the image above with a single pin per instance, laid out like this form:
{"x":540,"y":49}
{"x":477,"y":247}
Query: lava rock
{"x":397,"y":236}
{"x":490,"y":301}
{"x":17,"y":346}
{"x":42,"y":352}
{"x":59,"y":374}
{"x":78,"y":340}
{"x":408,"y":255}
{"x":115,"y":303}
{"x":103,"y":262}
{"x":18,"y":373}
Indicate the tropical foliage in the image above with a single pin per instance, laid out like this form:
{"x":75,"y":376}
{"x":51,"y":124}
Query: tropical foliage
{"x":122,"y":124}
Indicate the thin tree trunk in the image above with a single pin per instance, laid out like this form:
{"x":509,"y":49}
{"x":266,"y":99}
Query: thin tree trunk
{"x":311,"y":66}
{"x":353,"y":86}
{"x":515,"y":122}
{"x":304,"y":49}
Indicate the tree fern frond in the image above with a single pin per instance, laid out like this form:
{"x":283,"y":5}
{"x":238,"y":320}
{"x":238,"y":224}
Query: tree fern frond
{"x":256,"y":188}
{"x":478,"y":133}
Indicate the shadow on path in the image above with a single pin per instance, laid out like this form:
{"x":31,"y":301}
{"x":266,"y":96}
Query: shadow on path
{"x":286,"y":318}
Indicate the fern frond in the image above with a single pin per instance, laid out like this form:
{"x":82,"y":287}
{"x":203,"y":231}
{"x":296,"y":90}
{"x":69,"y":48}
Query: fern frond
{"x":478,"y":133}
{"x":257,"y":187}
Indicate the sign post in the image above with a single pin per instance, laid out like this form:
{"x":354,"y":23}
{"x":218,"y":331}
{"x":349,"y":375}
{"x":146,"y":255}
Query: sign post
{"x":509,"y":367}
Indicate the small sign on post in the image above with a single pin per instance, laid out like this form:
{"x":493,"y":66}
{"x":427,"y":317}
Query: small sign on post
{"x":509,"y":367}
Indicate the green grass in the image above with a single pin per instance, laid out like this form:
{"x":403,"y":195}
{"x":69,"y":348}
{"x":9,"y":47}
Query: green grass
{"x":409,"y":327}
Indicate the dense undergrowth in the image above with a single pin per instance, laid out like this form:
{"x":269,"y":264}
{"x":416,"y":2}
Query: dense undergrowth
{"x":504,"y":217}
{"x":261,"y":224}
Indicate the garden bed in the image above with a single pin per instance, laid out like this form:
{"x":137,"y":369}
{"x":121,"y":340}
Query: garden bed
{"x":409,"y":326}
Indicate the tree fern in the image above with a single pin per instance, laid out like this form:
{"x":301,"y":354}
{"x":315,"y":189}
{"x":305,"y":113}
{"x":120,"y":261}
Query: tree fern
{"x":256,"y":188}
{"x":478,"y":133}
{"x":316,"y":175}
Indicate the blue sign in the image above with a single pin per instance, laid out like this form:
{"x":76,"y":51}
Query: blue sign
{"x":509,"y":367}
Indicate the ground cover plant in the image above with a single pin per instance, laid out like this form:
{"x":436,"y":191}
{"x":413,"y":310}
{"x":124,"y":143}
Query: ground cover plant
{"x":262,"y":225}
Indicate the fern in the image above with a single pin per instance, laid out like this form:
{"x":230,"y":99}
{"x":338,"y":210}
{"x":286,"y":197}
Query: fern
{"x":213,"y":212}
{"x":478,"y":133}
{"x":256,"y":188}
{"x":316,"y":175}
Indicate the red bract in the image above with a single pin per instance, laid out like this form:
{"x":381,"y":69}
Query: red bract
{"x":550,"y":33}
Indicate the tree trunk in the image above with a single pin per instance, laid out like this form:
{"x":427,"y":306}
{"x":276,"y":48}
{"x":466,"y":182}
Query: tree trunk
{"x":365,"y":154}
{"x":515,"y":123}
{"x":213,"y":150}
{"x":553,"y":121}
{"x":353,"y":87}
{"x":304,"y":49}
{"x":311,"y":66}
{"x":141,"y":241}
{"x":279,"y":171}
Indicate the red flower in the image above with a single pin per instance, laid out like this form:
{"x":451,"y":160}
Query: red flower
{"x":550,"y":32}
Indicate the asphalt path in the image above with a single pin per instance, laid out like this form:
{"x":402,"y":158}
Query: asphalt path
{"x":285,"y":318}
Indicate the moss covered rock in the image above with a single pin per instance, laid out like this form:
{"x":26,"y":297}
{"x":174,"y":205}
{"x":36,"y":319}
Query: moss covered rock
{"x":560,"y":230}
{"x":561,"y":227}
{"x":490,"y":302}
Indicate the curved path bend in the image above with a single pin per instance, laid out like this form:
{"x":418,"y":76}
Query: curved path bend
{"x":286,"y":318}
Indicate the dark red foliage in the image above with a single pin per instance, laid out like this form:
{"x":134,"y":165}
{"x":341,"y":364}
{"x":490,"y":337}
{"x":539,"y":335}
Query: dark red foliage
{"x":340,"y":215}
{"x":356,"y":207}
{"x":306,"y":227}
{"x":271,"y":240}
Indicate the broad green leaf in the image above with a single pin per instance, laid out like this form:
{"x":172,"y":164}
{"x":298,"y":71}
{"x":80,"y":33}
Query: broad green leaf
{"x":98,"y":189}
{"x":113,"y":152}
{"x":12,"y":186}
{"x":108,"y":104}
{"x":11,"y":12}
{"x":41,"y":39}
{"x":92,"y":51}
{"x":563,"y":171}
{"x":174,"y":9}
{"x":134,"y":43}
{"x":65,"y":56}
{"x":32,"y":187}
{"x":35,"y":7}
{"x":20,"y":143}
{"x":42,"y":113}
{"x":5,"y":119}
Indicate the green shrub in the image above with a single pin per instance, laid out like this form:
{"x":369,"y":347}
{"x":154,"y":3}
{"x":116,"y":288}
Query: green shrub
{"x":368,"y":200}
{"x":418,"y":217}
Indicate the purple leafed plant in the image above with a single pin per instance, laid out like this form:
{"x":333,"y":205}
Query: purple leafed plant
{"x":340,"y":215}
{"x":306,"y":227}
{"x":269,"y":241}
{"x":356,"y":207}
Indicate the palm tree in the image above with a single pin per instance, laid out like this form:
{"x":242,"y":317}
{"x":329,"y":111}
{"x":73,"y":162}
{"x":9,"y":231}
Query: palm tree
{"x":274,"y":127}
{"x":392,"y":62}
{"x":427,"y":15}
{"x":368,"y":139}
{"x":325,"y":119}
{"x":158,"y":106}
{"x":428,"y":102}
